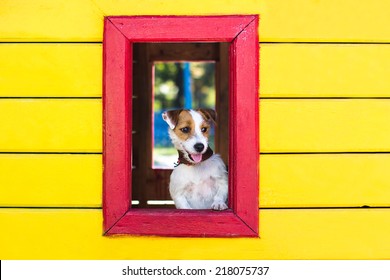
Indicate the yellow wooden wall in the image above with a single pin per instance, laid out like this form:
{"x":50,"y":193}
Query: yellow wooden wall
{"x":324,"y":131}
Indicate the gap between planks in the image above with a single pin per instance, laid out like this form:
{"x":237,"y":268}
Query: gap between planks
{"x":261,"y":208}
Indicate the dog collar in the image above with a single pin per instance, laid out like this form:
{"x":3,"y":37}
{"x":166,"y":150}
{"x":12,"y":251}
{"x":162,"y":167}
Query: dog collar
{"x":209,"y":152}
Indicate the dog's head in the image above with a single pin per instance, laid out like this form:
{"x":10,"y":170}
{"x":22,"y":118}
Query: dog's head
{"x":189,"y":131}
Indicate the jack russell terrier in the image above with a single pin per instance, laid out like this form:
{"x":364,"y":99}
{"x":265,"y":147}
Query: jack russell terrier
{"x":199,"y":181}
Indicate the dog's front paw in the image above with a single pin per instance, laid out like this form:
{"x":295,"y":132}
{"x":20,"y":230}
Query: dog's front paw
{"x":219,"y":205}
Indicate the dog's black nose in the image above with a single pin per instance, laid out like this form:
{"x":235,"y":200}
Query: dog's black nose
{"x":199,"y":147}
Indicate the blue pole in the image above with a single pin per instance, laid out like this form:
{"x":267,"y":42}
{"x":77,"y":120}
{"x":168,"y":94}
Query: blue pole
{"x":187,"y":86}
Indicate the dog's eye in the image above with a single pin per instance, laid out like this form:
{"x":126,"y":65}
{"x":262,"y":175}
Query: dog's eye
{"x":203,"y":129}
{"x":185,"y":129}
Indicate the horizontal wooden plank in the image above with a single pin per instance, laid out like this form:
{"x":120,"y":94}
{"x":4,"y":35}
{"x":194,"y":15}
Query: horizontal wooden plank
{"x":49,"y":180}
{"x":286,"y":180}
{"x":298,"y":20}
{"x":51,"y":125}
{"x":49,"y":21}
{"x":325,"y":125}
{"x":324,"y":21}
{"x":324,"y":70}
{"x":325,"y":180}
{"x":42,"y":125}
{"x":307,"y":70}
{"x":285,"y":234}
{"x":50,"y":70}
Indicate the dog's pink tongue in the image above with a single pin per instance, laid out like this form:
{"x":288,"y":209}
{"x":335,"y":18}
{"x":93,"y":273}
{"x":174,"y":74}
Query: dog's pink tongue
{"x":197,"y":158}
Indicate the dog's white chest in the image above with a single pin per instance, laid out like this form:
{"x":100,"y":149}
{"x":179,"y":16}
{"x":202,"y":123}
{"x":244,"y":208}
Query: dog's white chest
{"x":200,"y":193}
{"x":198,"y":184}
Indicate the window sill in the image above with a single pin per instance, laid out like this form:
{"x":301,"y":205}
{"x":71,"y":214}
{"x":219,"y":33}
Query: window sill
{"x":186,"y":223}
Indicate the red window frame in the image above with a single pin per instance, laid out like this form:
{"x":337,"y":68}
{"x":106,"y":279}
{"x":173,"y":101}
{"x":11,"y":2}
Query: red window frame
{"x":243,"y":216}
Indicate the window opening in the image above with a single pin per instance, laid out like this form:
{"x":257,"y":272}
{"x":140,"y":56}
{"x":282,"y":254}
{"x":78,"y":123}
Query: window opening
{"x":171,"y":76}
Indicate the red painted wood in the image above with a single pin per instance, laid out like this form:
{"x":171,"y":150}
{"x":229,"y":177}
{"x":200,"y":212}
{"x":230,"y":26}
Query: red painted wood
{"x":181,"y":28}
{"x":116,"y":125}
{"x":244,"y":121}
{"x":182,"y":223}
{"x":120,"y":33}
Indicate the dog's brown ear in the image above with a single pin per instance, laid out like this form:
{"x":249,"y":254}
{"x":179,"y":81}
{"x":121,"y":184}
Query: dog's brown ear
{"x":209,"y":115}
{"x":172,"y":117}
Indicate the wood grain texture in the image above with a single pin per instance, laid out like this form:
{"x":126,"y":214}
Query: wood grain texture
{"x":49,"y":21}
{"x":286,"y":125}
{"x":50,"y":70}
{"x":120,"y":35}
{"x":285,"y":234}
{"x":143,"y":176}
{"x":222,"y":103}
{"x":50,"y":125}
{"x":325,"y":180}
{"x":50,"y":180}
{"x":286,"y":180}
{"x":183,"y":223}
{"x":325,"y":125}
{"x":297,"y":20}
{"x":117,"y":123}
{"x":186,"y":29}
{"x":325,"y":21}
{"x":325,"y":70}
{"x":243,"y":125}
{"x":74,"y":70}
